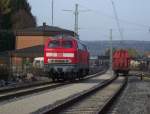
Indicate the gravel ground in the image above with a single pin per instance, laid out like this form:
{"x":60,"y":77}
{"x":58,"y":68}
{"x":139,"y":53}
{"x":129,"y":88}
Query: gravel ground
{"x":135,"y":99}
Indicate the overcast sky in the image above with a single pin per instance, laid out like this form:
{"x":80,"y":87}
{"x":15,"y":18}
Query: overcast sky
{"x":134,"y":17}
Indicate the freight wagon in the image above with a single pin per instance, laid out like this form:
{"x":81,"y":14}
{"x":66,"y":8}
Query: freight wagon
{"x":121,"y":62}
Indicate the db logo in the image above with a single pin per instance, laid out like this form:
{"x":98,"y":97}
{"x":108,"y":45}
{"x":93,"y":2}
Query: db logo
{"x":59,"y":54}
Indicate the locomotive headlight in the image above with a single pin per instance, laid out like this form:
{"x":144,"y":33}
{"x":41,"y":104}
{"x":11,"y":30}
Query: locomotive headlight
{"x":48,"y":54}
{"x":51,"y":54}
{"x":68,"y":54}
{"x":50,"y":61}
{"x":69,"y":61}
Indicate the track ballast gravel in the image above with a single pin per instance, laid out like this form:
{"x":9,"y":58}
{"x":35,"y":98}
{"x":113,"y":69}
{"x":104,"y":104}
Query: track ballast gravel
{"x":135,"y":99}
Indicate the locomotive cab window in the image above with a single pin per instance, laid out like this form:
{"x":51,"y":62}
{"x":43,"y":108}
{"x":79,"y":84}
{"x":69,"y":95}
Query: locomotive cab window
{"x":54,"y":44}
{"x":67,"y":44}
{"x":84,"y":48}
{"x":80,"y":46}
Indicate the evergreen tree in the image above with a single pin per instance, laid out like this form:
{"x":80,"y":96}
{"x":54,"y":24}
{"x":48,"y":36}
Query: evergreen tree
{"x":9,"y":9}
{"x":14,"y":15}
{"x":21,"y":15}
{"x":22,"y":20}
{"x":4,"y":14}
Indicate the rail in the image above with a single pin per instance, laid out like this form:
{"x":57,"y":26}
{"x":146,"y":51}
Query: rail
{"x":30,"y":89}
{"x":69,"y":103}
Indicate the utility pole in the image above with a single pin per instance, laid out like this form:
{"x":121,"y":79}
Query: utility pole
{"x":76,"y":13}
{"x":76,"y":28}
{"x":52,"y":12}
{"x":111,"y":51}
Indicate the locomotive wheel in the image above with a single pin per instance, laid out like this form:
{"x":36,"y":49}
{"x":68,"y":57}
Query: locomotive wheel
{"x":126,"y":73}
{"x":80,"y":74}
{"x":69,"y":76}
{"x":84,"y":73}
{"x":51,"y":76}
{"x":53,"y":79}
{"x":87,"y":71}
{"x":64,"y":77}
{"x":116,"y":73}
{"x":73,"y":75}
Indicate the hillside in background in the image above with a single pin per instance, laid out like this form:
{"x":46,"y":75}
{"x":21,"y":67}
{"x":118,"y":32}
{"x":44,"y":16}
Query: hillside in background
{"x":99,"y":47}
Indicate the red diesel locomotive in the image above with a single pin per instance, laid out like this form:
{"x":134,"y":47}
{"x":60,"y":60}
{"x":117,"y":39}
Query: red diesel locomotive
{"x":121,"y":62}
{"x":66,"y":57}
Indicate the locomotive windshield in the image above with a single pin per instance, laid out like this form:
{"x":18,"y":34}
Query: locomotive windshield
{"x":54,"y":44}
{"x":67,"y":44}
{"x":59,"y":44}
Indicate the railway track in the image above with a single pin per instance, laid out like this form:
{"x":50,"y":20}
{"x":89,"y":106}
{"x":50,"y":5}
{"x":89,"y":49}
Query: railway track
{"x":27,"y":90}
{"x":33,"y":84}
{"x":22,"y":86}
{"x":40,"y":101}
{"x":94,"y":101}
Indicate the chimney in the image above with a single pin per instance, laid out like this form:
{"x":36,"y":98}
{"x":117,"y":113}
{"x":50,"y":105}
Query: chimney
{"x":44,"y":24}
